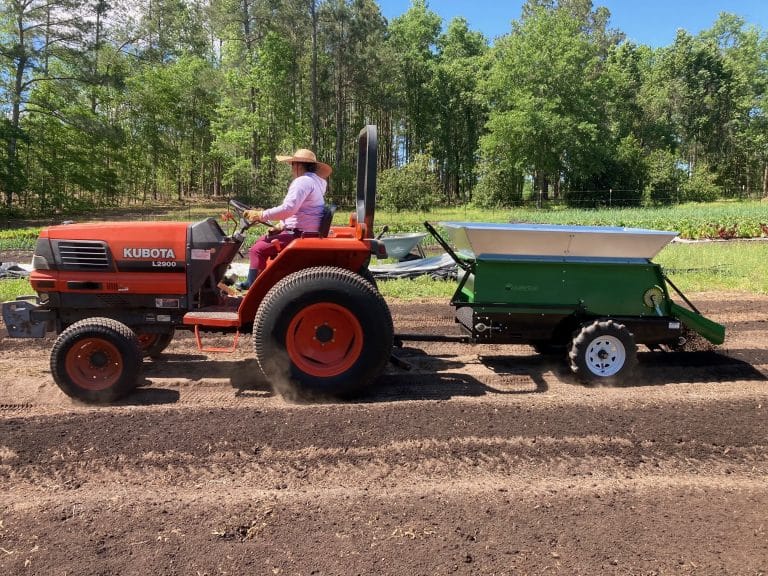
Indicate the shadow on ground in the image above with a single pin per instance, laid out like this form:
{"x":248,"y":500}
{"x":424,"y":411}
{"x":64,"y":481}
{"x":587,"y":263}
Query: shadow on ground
{"x":418,"y":375}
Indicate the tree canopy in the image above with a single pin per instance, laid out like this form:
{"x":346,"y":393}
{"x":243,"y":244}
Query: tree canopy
{"x":108,"y":102}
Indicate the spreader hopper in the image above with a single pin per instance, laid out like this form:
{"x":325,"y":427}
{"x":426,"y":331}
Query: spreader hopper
{"x":483,"y":240}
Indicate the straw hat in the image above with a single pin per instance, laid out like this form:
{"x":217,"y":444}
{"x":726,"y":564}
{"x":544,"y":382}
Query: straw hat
{"x":307,"y":156}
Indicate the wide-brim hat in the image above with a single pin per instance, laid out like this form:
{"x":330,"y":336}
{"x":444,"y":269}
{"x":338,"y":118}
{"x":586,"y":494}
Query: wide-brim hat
{"x":308,"y":157}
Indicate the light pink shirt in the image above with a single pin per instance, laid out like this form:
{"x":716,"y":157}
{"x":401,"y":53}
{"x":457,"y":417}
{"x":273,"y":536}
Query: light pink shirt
{"x":302,"y":207}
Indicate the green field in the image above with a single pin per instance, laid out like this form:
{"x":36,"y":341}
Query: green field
{"x":744,"y":219}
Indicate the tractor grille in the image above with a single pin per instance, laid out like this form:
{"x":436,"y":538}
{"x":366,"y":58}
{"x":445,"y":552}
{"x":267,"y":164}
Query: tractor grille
{"x":83,"y":255}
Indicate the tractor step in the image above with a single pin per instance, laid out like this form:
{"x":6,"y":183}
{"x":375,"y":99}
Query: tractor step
{"x":213,"y":317}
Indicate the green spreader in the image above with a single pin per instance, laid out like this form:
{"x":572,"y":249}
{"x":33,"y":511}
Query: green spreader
{"x":592,"y":292}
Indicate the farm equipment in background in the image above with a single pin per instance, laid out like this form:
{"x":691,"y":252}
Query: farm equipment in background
{"x":116,"y":292}
{"x":403,"y":246}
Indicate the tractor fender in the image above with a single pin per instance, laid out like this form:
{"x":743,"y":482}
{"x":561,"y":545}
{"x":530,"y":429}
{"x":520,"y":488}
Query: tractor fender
{"x":347,"y":253}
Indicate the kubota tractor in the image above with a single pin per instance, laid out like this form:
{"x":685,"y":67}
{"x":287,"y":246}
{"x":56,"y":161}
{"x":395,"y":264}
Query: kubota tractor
{"x":115,"y":292}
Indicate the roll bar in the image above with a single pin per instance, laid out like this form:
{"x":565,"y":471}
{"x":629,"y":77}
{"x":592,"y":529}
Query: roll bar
{"x":367,"y":158}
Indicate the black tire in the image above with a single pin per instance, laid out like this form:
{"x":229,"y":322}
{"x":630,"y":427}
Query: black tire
{"x":368,"y":275}
{"x":322,"y":332}
{"x":603,"y":352}
{"x":96,"y":360}
{"x":153,"y":344}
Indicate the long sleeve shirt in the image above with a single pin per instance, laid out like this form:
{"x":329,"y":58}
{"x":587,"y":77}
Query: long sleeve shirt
{"x":302,"y":207}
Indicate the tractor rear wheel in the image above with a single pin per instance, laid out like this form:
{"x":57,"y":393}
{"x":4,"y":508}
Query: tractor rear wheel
{"x":96,"y":360}
{"x":323,"y":332}
{"x":153,"y":344}
{"x":603,"y":351}
{"x":368,"y":275}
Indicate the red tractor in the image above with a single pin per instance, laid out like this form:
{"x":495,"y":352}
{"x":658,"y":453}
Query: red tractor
{"x":116,"y":292}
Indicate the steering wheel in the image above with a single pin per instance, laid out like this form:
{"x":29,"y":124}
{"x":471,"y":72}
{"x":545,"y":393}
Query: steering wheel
{"x":239,"y":208}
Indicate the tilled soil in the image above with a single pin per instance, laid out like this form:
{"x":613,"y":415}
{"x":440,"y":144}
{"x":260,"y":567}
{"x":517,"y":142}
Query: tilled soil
{"x":477,"y":460}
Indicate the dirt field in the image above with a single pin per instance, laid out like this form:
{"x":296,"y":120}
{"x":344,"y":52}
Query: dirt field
{"x":479,"y":460}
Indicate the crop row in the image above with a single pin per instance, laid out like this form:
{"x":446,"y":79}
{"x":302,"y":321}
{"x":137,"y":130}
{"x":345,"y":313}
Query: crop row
{"x":720,"y":220}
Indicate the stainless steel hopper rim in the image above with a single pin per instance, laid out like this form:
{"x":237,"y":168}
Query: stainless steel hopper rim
{"x":482,"y":238}
{"x":527,"y":227}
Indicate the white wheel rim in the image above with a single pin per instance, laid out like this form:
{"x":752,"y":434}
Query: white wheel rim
{"x":605,"y":356}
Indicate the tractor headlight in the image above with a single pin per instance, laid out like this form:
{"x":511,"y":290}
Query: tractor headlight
{"x":42,"y":258}
{"x":40,"y":263}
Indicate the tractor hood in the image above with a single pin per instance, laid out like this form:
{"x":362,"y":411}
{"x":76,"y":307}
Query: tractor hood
{"x":124,"y":246}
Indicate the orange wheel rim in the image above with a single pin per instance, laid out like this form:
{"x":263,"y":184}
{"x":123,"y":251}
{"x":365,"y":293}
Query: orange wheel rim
{"x":94,"y":364}
{"x":147,"y":340}
{"x":324,"y":340}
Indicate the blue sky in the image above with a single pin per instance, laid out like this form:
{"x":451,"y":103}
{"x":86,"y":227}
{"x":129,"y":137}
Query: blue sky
{"x":653,"y":22}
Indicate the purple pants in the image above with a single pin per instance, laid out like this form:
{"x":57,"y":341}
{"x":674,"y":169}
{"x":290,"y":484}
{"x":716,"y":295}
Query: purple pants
{"x":262,"y":250}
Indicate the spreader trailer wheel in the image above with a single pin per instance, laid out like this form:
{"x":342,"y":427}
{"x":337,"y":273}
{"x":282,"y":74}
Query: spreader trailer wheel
{"x":603,"y":352}
{"x":323,"y":332}
{"x":96,"y":360}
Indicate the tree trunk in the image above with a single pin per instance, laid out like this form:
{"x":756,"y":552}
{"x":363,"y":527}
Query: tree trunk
{"x":12,"y":179}
{"x":216,"y":176}
{"x":340,"y":104}
{"x":95,"y":69}
{"x":313,"y":72}
{"x":179,"y":183}
{"x":153,"y":174}
{"x":542,"y":184}
{"x":252,"y":105}
{"x":765,"y":180}
{"x":255,"y":154}
{"x":47,"y":41}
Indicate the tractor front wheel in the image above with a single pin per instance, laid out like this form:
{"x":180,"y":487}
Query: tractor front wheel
{"x":96,"y":360}
{"x":323,"y":332}
{"x":603,"y":352}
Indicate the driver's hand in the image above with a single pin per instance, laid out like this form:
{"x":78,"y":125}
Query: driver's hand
{"x":277,"y":228}
{"x":252,"y":215}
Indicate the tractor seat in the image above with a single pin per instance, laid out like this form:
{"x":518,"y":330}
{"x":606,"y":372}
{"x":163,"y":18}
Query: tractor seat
{"x":325,"y":223}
